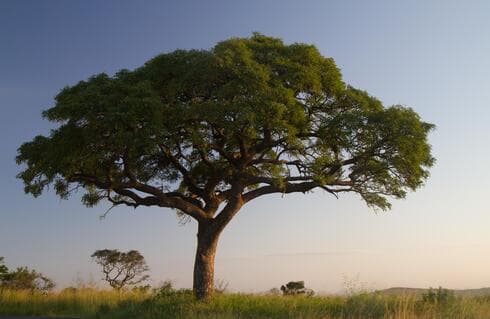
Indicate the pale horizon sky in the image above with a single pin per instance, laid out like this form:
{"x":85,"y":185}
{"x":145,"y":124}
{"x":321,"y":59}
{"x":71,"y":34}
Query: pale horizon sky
{"x":432,"y":56}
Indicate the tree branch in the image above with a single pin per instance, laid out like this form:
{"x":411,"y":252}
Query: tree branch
{"x":302,"y":187}
{"x":288,"y":188}
{"x":156,"y":198}
{"x":188,"y":179}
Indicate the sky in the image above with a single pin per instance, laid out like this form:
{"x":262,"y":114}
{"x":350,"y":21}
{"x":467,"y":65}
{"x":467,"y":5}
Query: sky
{"x":430,"y":55}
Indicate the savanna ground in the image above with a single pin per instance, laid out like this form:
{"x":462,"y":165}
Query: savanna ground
{"x":95,"y":303}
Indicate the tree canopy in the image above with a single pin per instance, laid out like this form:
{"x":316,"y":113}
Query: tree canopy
{"x":188,"y":124}
{"x":121,"y":269}
{"x":293,"y":288}
{"x":206,"y":131}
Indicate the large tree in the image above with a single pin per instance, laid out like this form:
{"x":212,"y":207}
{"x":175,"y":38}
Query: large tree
{"x":207,"y":131}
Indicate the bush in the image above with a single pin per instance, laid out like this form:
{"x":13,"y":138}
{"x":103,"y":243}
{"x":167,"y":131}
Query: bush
{"x":294,"y":288}
{"x":440,"y":296}
{"x":24,"y":279}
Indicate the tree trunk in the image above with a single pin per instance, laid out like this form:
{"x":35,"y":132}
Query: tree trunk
{"x":207,"y":240}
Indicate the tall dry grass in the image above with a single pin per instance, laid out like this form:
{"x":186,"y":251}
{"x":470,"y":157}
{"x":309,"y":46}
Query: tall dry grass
{"x":94,"y":303}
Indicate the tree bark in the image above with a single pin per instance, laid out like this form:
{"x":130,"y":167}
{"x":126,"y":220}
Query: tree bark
{"x":207,"y":241}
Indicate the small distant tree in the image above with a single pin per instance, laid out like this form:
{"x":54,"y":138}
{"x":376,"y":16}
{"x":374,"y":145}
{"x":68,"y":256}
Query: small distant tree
{"x":220,"y":286}
{"x":24,"y":278}
{"x":438,"y":296}
{"x":164,"y":289}
{"x":273,"y":291}
{"x":121,"y":269}
{"x":293,"y":288}
{"x":3,"y":270}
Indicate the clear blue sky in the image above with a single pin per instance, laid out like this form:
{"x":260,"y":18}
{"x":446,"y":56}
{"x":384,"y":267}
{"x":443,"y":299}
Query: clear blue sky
{"x":430,"y":55}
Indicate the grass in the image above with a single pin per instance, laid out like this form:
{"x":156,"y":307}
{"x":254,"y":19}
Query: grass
{"x":104,"y":304}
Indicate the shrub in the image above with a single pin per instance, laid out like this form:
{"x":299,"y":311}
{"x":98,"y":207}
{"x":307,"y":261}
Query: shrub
{"x":293,"y":288}
{"x":24,"y":279}
{"x":440,"y":296}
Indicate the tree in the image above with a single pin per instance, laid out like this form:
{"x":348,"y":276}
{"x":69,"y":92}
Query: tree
{"x":121,"y":268}
{"x":205,"y":132}
{"x":3,"y":270}
{"x":294,"y":288}
{"x":441,"y":297}
{"x":25,"y":279}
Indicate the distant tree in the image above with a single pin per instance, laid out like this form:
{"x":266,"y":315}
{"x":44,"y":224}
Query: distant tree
{"x":3,"y":270}
{"x":164,"y":289}
{"x":220,"y":286}
{"x":440,"y":296}
{"x":205,"y":132}
{"x":25,"y":279}
{"x":293,"y":288}
{"x":274,"y":291}
{"x":121,"y":269}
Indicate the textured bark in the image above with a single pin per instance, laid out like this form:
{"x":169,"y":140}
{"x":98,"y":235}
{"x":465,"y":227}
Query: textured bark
{"x":207,"y":241}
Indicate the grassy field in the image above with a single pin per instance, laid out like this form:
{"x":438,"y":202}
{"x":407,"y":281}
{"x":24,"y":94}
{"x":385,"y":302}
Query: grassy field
{"x":93,"y":303}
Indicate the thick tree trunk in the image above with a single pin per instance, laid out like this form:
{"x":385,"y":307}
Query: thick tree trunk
{"x":207,"y":240}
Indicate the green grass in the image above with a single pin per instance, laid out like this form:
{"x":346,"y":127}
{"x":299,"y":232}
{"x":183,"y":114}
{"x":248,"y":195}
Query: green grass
{"x":92,"y":303}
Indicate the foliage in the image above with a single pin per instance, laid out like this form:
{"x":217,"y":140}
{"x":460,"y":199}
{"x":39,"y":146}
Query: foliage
{"x":294,"y":288}
{"x":273,"y":291}
{"x":164,"y":289}
{"x":121,"y":269}
{"x":205,"y":132}
{"x":24,"y":279}
{"x":141,"y":289}
{"x":439,"y":296}
{"x":252,"y":116}
{"x":3,"y":269}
